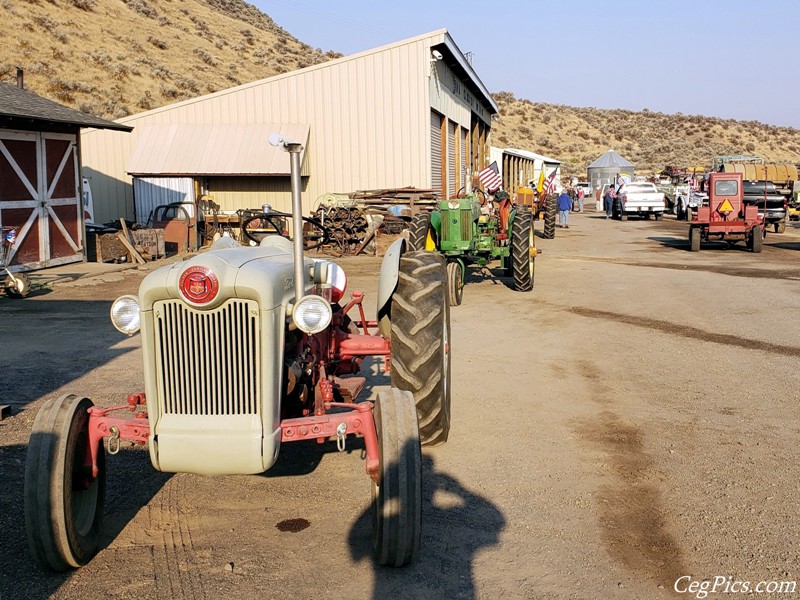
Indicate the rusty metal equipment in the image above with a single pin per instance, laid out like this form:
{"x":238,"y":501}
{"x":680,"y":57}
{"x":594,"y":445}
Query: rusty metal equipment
{"x":726,"y":217}
{"x":179,"y":222}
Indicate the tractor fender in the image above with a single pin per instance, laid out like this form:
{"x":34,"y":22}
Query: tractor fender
{"x":387,"y":284}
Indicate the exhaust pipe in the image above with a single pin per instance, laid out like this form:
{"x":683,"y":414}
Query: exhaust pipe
{"x":294,"y":149}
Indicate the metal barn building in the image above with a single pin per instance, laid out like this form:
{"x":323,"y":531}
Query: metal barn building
{"x":40,"y":186}
{"x":412,"y":113}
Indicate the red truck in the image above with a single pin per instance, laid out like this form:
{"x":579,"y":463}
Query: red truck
{"x":726,"y":217}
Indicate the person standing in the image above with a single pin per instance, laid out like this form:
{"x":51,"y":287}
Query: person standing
{"x":580,"y":199}
{"x":564,"y":206}
{"x":608,"y":199}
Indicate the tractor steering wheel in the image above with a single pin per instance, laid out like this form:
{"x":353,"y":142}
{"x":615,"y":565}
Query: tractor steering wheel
{"x":318,"y":235}
{"x":463,"y":192}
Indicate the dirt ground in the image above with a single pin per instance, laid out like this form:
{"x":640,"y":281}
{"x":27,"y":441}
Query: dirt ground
{"x":632,"y":421}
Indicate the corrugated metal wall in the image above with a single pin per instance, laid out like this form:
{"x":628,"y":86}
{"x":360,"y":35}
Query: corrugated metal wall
{"x":150,"y":192}
{"x":369,"y":116}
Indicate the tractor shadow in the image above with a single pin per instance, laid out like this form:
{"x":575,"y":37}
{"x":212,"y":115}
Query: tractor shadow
{"x":683,"y":244}
{"x":130,"y":485}
{"x":480,"y":274}
{"x":457,"y":524}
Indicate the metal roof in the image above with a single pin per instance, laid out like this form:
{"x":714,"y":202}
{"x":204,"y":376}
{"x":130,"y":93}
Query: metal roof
{"x":19,"y":105}
{"x":203,"y":149}
{"x":610,"y":160}
{"x":531,"y":156}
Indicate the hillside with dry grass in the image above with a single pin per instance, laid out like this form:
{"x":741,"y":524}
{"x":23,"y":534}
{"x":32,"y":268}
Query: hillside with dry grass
{"x":112,"y":58}
{"x":650,"y":140}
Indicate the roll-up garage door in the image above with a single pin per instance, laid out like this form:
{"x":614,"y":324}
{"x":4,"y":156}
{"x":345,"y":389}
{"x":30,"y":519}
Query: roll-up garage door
{"x":436,"y":151}
{"x":452,"y":159}
{"x":463,"y":165}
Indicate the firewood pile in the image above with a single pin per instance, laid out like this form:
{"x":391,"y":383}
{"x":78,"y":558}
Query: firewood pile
{"x":355,"y":219}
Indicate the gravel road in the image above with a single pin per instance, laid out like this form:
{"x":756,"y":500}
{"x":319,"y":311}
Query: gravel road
{"x":631,"y":422}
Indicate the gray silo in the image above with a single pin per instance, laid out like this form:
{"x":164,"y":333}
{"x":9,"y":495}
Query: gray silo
{"x":606,"y":168}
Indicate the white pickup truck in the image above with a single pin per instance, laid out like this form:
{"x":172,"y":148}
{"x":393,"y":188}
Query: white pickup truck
{"x":638,"y":198}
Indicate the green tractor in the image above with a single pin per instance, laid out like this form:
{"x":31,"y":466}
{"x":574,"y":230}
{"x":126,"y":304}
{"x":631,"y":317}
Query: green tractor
{"x":472,"y":230}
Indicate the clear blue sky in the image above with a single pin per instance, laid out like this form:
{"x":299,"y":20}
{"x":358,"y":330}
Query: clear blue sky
{"x":724,"y":58}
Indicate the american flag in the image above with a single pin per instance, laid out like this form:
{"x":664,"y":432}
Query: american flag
{"x":490,"y":177}
{"x":550,"y":184}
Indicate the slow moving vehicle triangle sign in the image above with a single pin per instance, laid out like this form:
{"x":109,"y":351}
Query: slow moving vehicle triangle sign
{"x":726,"y":206}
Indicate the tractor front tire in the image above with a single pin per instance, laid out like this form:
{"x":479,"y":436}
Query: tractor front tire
{"x":418,"y":231}
{"x":757,"y":240}
{"x":455,"y":283}
{"x":550,"y":212}
{"x":694,"y":239}
{"x":63,"y":503}
{"x":397,"y":495}
{"x":421,"y":341}
{"x":522,"y":261}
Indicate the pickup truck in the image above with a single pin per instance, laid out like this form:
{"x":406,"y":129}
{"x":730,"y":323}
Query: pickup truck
{"x":687,"y":201}
{"x":638,"y":198}
{"x":776,"y":206}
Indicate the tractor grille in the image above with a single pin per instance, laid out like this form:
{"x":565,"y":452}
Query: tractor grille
{"x":207,"y":361}
{"x":460,"y":231}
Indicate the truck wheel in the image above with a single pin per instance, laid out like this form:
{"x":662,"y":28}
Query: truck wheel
{"x":550,"y":219}
{"x":17,"y":285}
{"x":780,"y":226}
{"x":455,"y":283}
{"x":522,"y":261}
{"x":757,"y":239}
{"x":623,"y":216}
{"x":397,"y":495}
{"x":421,"y":341}
{"x":694,"y":239}
{"x":418,"y":231}
{"x":63,"y":503}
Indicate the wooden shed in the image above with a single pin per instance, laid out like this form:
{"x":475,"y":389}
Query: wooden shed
{"x":40,"y":185}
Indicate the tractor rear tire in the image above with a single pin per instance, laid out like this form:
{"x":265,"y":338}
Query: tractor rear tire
{"x":397,"y":495}
{"x":694,"y":239}
{"x":418,"y":231}
{"x":522,"y":261}
{"x":63,"y":503}
{"x":757,"y":240}
{"x":17,"y":286}
{"x":421,"y":341}
{"x":455,"y":283}
{"x":550,"y":213}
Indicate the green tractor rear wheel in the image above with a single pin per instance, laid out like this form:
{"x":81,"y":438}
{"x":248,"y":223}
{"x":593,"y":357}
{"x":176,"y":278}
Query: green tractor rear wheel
{"x":418,"y":231}
{"x":522,"y":260}
{"x":550,"y":212}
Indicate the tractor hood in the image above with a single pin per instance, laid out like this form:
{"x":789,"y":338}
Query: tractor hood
{"x":264,"y":273}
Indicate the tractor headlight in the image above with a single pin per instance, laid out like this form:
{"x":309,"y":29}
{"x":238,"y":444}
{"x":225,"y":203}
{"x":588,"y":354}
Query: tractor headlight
{"x":125,"y":314}
{"x":312,"y":314}
{"x":452,"y":204}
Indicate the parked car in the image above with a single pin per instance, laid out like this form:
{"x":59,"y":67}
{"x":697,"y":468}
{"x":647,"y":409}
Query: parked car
{"x":771,"y":204}
{"x":638,"y":198}
{"x":588,"y":190}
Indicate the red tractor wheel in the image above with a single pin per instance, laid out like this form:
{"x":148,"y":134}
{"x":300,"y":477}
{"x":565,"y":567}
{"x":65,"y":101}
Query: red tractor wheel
{"x":421,"y":341}
{"x":397,"y":495}
{"x":63,"y":502}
